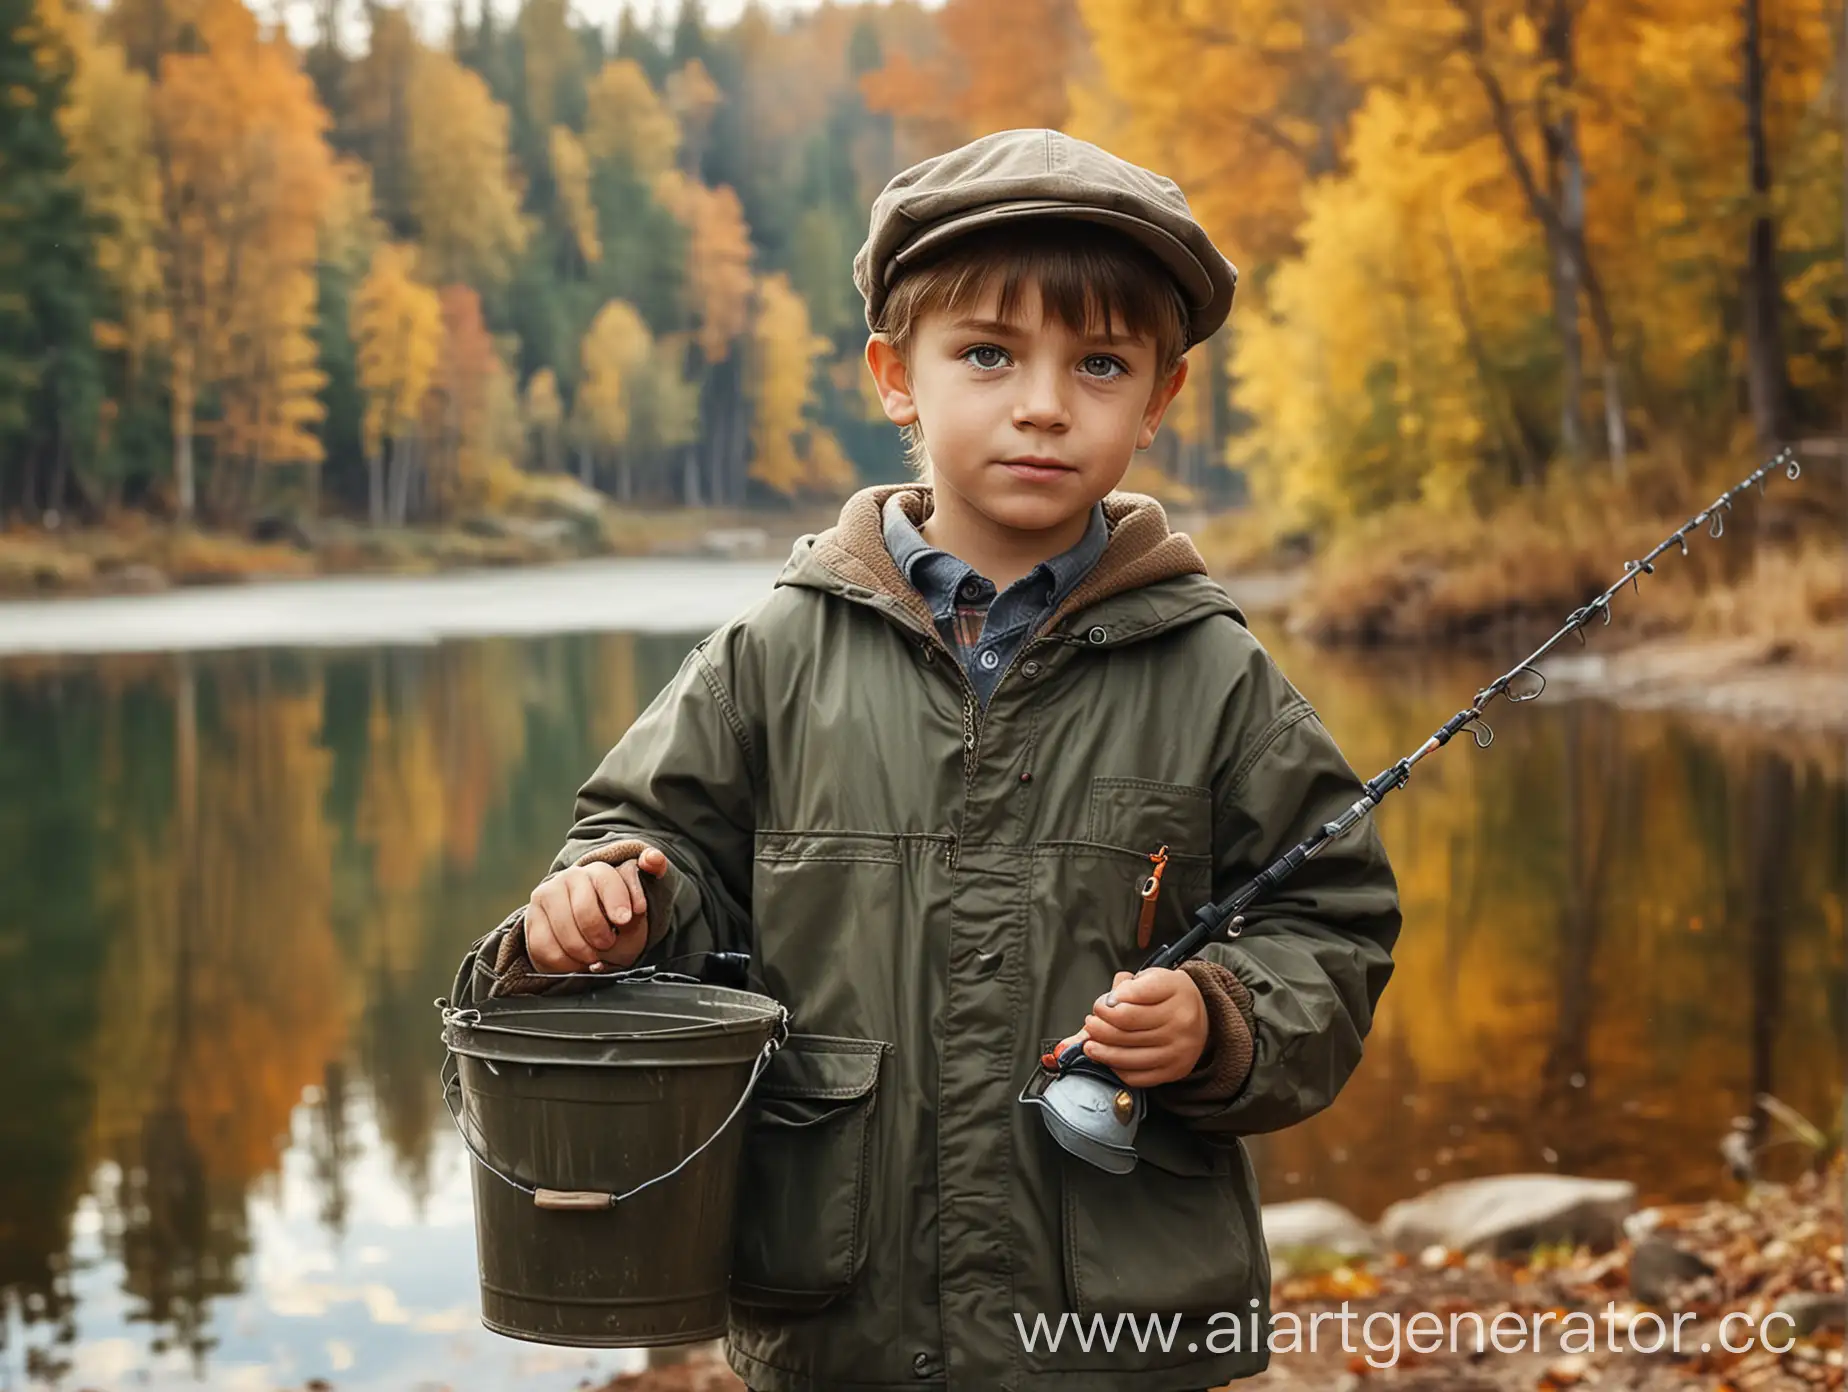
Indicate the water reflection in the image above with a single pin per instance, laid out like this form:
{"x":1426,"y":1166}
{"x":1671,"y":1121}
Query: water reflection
{"x":236,"y":882}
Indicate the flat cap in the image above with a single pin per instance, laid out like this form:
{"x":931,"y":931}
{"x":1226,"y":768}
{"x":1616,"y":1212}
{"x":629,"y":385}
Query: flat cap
{"x":1038,"y":173}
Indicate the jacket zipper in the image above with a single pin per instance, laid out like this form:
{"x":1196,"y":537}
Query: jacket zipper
{"x":972,"y":711}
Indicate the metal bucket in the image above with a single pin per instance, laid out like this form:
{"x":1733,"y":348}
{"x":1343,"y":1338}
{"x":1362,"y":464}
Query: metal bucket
{"x":606,"y":1161}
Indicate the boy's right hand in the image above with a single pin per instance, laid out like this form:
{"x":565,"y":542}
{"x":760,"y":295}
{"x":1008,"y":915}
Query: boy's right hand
{"x":588,"y":916}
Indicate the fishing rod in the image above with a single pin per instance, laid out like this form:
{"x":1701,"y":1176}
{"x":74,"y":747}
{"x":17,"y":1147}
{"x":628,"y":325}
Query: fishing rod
{"x":1097,"y":1124}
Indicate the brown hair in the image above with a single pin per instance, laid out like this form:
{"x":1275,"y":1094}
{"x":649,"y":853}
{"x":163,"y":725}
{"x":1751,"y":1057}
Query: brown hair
{"x":1089,"y":278}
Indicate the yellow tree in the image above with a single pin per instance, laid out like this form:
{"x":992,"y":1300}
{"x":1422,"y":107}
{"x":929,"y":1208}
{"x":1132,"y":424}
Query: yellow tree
{"x":461,"y":408}
{"x":692,"y":98}
{"x":780,"y":379}
{"x":718,"y":259}
{"x":999,"y":67}
{"x":270,"y":397}
{"x":350,"y":230}
{"x":1368,"y":373}
{"x":544,"y":413}
{"x":397,"y":327}
{"x":613,"y":353}
{"x":571,"y":172}
{"x":1515,"y":68}
{"x":462,"y":196}
{"x":626,"y":117}
{"x":1241,"y":102}
{"x":664,"y":411}
{"x":106,"y":128}
{"x":243,"y":172}
{"x":548,"y":49}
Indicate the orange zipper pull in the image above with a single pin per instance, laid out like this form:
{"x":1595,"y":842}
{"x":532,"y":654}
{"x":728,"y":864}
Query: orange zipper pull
{"x":1151,"y":891}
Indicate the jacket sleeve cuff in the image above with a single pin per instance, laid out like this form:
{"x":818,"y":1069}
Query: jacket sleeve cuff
{"x":514,"y":972}
{"x":1225,"y":1063}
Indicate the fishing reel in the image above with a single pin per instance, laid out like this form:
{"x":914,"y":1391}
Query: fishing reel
{"x":1091,"y":1112}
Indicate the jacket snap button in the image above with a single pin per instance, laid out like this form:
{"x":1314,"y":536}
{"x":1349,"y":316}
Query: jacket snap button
{"x":1097,"y":635}
{"x":1029,"y":668}
{"x":921,"y":1365}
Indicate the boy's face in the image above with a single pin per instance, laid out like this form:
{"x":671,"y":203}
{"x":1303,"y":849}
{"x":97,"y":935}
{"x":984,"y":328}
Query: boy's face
{"x":1027,"y":423}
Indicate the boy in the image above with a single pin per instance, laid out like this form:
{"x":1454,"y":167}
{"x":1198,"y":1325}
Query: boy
{"x":923,"y":784}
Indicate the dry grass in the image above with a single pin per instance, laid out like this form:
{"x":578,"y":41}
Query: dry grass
{"x":1798,"y":599}
{"x":552,"y":519}
{"x":1413,"y":576}
{"x":201,"y":558}
{"x":32,"y":564}
{"x":1243,"y":542}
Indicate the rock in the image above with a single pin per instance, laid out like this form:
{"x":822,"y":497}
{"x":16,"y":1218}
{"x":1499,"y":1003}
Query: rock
{"x":271,"y":528}
{"x":1563,"y":1372}
{"x":1812,"y":1310}
{"x":1318,"y":1225}
{"x":1506,"y":1215}
{"x":1658,"y":1267}
{"x":734,"y":543}
{"x":1642,"y":1223}
{"x":538,"y":531}
{"x":139,"y":578}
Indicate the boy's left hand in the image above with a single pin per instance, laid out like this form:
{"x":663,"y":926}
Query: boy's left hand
{"x":1150,"y":1028}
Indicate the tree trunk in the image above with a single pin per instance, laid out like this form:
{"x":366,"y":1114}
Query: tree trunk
{"x":60,"y":468}
{"x":1512,"y":445}
{"x":1764,"y":355}
{"x":403,"y":459}
{"x":1565,"y":174}
{"x":183,"y":435}
{"x":375,"y":486}
{"x":740,"y":471}
{"x":1571,"y":350}
{"x":28,"y":494}
{"x":1549,"y":206}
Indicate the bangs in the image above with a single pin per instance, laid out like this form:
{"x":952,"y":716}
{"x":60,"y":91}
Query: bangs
{"x":1094,"y":281}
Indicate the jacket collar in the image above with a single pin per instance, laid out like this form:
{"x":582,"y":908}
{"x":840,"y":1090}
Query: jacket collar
{"x":1148,"y":579}
{"x":937,"y":574}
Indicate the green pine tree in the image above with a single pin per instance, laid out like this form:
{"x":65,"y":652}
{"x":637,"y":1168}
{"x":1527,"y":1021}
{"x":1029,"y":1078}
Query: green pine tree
{"x":50,"y":383}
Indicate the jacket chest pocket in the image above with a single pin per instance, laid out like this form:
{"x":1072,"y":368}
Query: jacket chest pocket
{"x":801,"y":1227}
{"x":1146,"y":817}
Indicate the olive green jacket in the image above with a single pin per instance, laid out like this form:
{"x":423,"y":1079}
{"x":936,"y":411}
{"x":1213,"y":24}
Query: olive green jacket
{"x":937,"y":892}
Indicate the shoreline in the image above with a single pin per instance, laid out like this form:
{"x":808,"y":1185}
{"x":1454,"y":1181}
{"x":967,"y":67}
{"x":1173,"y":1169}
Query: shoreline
{"x":138,"y":557}
{"x":1763,"y":681}
{"x":1734,"y":681}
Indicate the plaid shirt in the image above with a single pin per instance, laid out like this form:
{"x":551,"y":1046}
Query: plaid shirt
{"x":983,"y":628}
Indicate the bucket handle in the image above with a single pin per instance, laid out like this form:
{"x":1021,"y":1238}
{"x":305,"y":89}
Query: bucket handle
{"x":590,"y":1200}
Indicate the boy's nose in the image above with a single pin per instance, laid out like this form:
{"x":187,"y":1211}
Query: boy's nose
{"x":1041,"y":404}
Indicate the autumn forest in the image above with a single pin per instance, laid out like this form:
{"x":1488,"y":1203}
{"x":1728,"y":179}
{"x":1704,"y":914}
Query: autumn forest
{"x":371,"y":272}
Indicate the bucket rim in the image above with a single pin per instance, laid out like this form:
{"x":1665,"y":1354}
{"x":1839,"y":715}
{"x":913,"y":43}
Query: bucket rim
{"x":522,"y":1017}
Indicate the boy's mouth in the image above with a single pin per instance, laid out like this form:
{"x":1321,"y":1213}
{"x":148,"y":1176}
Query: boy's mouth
{"x":1036,"y":469}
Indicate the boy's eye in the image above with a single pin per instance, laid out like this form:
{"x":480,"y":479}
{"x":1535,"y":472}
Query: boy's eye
{"x":1103,"y":366}
{"x":985,"y":355}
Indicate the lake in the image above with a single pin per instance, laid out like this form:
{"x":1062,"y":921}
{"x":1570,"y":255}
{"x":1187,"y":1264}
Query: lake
{"x":246,"y":834}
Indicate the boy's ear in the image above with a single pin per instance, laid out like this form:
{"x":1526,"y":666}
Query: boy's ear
{"x":892,"y":380}
{"x":1158,"y":405}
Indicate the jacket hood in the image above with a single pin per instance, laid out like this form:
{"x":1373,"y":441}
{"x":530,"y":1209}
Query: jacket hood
{"x":1149,"y":577}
